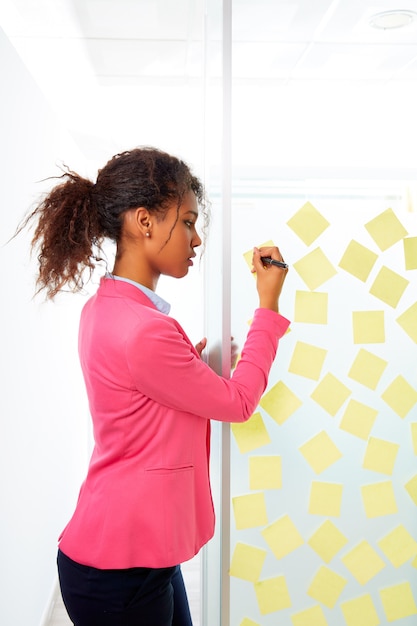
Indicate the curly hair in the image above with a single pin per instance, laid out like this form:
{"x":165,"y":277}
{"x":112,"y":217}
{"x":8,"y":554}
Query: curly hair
{"x":77,"y":215}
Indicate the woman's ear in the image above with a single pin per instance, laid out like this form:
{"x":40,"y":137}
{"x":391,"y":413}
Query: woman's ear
{"x":139,"y":221}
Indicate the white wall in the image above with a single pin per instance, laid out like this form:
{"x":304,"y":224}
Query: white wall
{"x":43,"y":441}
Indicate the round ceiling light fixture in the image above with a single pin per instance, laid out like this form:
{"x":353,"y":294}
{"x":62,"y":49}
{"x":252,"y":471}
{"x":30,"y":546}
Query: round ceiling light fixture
{"x":388,"y":20}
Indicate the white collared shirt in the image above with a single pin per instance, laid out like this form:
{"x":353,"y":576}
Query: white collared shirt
{"x":162,"y":305}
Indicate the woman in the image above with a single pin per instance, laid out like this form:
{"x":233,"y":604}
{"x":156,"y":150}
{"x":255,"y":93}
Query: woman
{"x":145,"y":505}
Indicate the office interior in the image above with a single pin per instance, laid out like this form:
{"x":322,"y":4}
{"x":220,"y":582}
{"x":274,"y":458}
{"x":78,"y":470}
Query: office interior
{"x":300,"y":118}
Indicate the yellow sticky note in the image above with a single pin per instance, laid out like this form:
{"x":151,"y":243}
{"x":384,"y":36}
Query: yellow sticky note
{"x":413,"y":427}
{"x":248,"y":622}
{"x":247,"y":562}
{"x":400,"y":396}
{"x":408,"y":322}
{"x":368,"y":326}
{"x":327,"y":541}
{"x":314,"y":269}
{"x":325,"y":499}
{"x":313,"y":616}
{"x":251,"y":434}
{"x":272,"y":595}
{"x":389,"y":286}
{"x":363,"y":562}
{"x":326,"y":586}
{"x":360,"y":612}
{"x":282,"y":536}
{"x":398,"y":546}
{"x":308,"y":223}
{"x":265,"y":472}
{"x":330,"y":394}
{"x":386,"y":229}
{"x":410,"y":253}
{"x":379,"y":499}
{"x":411,"y":487}
{"x":320,"y":452}
{"x":358,"y":260}
{"x":307,"y":360}
{"x":311,"y":307}
{"x":250,"y":511}
{"x":249,"y":254}
{"x":358,"y":419}
{"x":280,"y":402}
{"x":380,"y":455}
{"x":398,"y":601}
{"x":367,"y":369}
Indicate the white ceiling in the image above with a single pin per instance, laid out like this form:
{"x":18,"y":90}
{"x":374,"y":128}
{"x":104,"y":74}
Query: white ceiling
{"x":86,"y":52}
{"x":126,"y":40}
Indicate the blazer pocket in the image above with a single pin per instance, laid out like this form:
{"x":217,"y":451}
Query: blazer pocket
{"x":169,"y":470}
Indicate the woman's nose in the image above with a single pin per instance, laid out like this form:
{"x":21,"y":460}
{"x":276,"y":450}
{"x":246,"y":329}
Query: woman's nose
{"x":196,"y":240}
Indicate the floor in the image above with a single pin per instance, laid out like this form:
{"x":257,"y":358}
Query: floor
{"x":191,"y":574}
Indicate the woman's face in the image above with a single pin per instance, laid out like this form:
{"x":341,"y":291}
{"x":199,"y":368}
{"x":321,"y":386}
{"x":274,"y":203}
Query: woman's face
{"x":172,"y":242}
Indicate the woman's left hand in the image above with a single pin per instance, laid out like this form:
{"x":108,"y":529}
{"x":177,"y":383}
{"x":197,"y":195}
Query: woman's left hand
{"x":234,"y":353}
{"x":234,"y":350}
{"x":201,"y":345}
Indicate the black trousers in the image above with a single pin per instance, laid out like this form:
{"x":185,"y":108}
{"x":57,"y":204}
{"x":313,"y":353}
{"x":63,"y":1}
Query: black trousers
{"x":139,"y":596}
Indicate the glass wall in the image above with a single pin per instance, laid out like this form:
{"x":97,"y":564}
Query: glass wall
{"x":322,"y":477}
{"x":316,"y":494}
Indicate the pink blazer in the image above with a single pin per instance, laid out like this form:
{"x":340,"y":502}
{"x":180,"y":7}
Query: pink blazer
{"x":146,"y":500}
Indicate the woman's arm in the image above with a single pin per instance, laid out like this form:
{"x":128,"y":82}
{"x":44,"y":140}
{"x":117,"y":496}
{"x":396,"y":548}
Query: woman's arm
{"x":166,"y":367}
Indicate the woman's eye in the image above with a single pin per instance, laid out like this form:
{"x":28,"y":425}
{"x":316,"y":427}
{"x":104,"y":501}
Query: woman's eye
{"x":189,"y":224}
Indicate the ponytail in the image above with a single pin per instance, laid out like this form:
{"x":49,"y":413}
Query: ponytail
{"x":67,"y":236}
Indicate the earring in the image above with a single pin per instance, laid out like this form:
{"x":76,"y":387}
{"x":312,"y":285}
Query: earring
{"x":148,"y":234}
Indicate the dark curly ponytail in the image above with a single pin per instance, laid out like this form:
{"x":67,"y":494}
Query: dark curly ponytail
{"x":74,"y":218}
{"x":67,"y":235}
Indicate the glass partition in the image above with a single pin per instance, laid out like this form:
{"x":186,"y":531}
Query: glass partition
{"x":316,"y":494}
{"x":323,"y":476}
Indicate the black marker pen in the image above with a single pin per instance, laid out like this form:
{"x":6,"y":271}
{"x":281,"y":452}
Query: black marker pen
{"x":266,"y":260}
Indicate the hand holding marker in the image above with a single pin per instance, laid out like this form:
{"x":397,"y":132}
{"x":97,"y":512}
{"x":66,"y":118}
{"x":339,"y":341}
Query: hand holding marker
{"x":268,"y":261}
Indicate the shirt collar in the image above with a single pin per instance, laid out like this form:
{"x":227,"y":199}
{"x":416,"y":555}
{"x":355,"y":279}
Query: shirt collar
{"x":162,"y":305}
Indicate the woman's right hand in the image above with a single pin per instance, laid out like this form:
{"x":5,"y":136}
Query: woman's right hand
{"x":269,"y":279}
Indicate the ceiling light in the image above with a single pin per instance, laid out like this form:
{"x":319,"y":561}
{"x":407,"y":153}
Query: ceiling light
{"x":392,"y":19}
